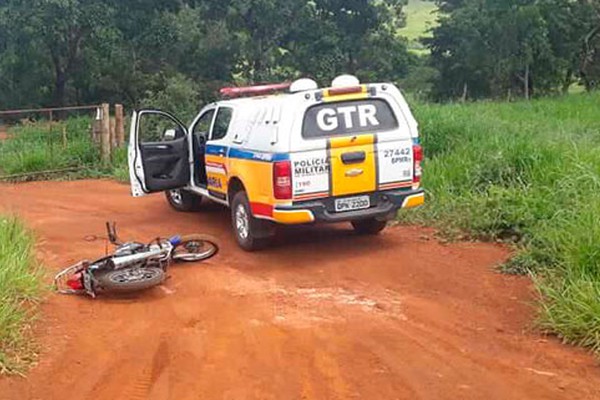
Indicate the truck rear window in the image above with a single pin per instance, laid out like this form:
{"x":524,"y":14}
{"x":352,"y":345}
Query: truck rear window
{"x":348,"y":117}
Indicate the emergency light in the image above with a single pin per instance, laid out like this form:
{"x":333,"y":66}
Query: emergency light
{"x":259,"y":90}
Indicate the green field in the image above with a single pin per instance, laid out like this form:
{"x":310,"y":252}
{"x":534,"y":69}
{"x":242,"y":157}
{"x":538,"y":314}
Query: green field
{"x":527,"y":173}
{"x":20,"y":285}
{"x":65,"y":144}
{"x":420,"y":17}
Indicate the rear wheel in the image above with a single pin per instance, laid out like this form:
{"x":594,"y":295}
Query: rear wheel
{"x":370,"y":226}
{"x":130,"y":279}
{"x":250,"y":233}
{"x":183,"y":200}
{"x":195,"y":248}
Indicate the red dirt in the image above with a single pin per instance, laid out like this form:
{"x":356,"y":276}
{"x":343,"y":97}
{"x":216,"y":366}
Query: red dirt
{"x":323,"y":314}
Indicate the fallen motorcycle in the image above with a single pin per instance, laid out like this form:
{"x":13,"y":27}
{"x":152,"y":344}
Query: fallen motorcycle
{"x":133,"y":266}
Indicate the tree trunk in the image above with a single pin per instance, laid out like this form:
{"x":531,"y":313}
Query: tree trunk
{"x":568,"y":81}
{"x":59,"y":87}
{"x":351,"y":63}
{"x":463,"y":98}
{"x":526,"y":82}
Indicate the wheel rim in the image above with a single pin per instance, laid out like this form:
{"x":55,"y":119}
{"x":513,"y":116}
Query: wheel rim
{"x":175,"y":195}
{"x":242,"y":223}
{"x":195,"y":250}
{"x":134,"y":275}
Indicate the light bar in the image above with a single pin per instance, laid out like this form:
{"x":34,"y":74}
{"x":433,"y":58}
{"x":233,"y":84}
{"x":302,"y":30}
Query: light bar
{"x":341,"y":91}
{"x":254,"y":90}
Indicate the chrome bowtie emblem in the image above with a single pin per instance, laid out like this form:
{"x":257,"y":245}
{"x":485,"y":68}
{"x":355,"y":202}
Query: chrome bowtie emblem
{"x":354,"y":172}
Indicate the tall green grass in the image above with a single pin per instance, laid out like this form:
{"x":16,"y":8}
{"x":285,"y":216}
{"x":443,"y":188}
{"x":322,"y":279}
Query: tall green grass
{"x":20,"y":285}
{"x":42,"y":147}
{"x":527,"y":173}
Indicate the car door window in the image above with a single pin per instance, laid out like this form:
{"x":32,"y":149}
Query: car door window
{"x":202,"y":126}
{"x":222,"y":122}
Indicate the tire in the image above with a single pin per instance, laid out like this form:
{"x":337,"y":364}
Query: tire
{"x":183,"y":200}
{"x":370,"y":226}
{"x":130,"y":279}
{"x":251,"y":234}
{"x":195,"y":248}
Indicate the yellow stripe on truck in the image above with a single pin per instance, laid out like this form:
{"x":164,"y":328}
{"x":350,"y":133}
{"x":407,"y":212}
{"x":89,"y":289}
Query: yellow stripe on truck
{"x":356,"y":177}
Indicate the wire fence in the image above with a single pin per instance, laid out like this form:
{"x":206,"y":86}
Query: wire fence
{"x":106,"y":132}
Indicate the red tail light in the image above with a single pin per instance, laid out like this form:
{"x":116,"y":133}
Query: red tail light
{"x":75,"y":282}
{"x":282,"y":180}
{"x":417,"y":159}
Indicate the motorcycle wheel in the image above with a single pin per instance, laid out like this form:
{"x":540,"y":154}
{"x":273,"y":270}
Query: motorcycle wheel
{"x":129,"y":279}
{"x":195,"y":248}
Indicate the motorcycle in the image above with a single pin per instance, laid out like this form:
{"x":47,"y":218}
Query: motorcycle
{"x":133,"y":266}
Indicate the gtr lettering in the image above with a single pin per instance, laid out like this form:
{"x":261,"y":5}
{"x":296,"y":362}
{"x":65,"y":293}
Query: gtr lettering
{"x":328,"y":119}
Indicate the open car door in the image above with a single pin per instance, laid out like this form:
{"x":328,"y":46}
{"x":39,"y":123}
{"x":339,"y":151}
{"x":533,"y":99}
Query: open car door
{"x":158,"y":153}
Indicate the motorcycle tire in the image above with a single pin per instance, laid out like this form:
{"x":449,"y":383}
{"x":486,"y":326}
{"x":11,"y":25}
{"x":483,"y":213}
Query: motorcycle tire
{"x":129,"y":279}
{"x":195,"y":247}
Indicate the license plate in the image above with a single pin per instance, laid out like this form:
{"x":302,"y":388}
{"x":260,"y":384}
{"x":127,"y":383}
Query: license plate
{"x":352,"y":203}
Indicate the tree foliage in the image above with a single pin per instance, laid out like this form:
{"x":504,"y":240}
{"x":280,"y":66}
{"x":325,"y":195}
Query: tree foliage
{"x":491,"y":48}
{"x":55,"y":52}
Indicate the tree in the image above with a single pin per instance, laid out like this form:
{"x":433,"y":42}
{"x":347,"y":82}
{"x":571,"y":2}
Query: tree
{"x":493,"y":48}
{"x":61,"y":30}
{"x":356,"y":37}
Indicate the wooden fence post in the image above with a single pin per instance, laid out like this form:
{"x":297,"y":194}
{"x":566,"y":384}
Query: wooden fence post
{"x":113,"y":137}
{"x":105,"y":134}
{"x":119,"y":125}
{"x":97,"y":125}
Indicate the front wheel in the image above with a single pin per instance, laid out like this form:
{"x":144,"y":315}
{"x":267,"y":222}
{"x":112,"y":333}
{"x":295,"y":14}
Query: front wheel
{"x":370,"y":226}
{"x":183,"y":200}
{"x":129,"y":279}
{"x":195,"y":248}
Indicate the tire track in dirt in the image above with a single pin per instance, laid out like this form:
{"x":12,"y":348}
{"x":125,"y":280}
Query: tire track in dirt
{"x":323,"y":314}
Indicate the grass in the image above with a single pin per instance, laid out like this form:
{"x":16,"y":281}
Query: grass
{"x":20,"y":286}
{"x":33,"y":148}
{"x":420,"y":17}
{"x":42,"y":147}
{"x":527,"y":173}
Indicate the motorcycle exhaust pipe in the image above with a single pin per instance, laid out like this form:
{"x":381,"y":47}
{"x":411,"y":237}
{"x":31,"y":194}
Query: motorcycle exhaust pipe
{"x":126,"y":261}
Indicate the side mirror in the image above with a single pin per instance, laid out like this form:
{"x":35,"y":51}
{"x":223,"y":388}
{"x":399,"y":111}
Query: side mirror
{"x":170,"y":134}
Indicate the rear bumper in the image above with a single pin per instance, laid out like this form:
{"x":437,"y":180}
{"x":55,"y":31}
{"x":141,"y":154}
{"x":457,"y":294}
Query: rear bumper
{"x":384,"y":207}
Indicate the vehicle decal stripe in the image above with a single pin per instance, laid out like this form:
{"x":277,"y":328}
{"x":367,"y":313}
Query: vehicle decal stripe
{"x":330,"y":174}
{"x":396,"y":185}
{"x":233,"y":152}
{"x":311,"y":196}
{"x":376,"y":155}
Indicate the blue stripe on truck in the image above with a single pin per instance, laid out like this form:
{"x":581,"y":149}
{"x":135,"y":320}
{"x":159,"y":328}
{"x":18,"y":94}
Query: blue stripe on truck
{"x":233,"y":152}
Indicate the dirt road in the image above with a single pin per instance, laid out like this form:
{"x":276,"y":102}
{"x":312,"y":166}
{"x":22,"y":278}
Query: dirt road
{"x":323,"y":314}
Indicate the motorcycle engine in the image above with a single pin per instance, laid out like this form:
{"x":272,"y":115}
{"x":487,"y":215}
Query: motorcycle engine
{"x":128,"y":249}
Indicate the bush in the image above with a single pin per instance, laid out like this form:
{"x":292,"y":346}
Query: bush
{"x":527,"y":173}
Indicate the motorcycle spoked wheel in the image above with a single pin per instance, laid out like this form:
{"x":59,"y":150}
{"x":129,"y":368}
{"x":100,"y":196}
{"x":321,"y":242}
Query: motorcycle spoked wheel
{"x":195,"y":247}
{"x":129,"y":279}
